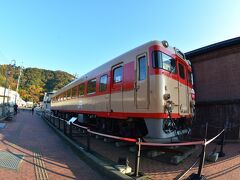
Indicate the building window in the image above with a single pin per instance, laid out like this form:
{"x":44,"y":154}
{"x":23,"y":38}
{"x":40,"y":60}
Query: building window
{"x":142,"y":63}
{"x":81,"y":89}
{"x":91,"y":86}
{"x":163,"y":61}
{"x":181,"y":71}
{"x":74,"y":92}
{"x":103,"y":83}
{"x":117,"y":74}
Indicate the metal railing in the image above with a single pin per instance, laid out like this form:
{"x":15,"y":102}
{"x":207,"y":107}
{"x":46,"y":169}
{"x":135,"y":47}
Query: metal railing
{"x":201,"y":158}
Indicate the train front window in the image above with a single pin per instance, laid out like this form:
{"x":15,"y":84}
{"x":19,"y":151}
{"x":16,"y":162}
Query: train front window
{"x":169,"y":63}
{"x":163,"y":61}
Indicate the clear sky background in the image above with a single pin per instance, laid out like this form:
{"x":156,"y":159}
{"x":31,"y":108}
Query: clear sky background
{"x":78,"y":35}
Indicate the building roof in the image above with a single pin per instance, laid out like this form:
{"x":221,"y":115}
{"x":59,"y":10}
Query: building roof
{"x":212,"y":47}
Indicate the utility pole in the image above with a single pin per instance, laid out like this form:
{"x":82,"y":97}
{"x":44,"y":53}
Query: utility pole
{"x":20,"y":73}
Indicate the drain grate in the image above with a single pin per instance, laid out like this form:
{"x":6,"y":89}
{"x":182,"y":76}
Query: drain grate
{"x":10,"y":160}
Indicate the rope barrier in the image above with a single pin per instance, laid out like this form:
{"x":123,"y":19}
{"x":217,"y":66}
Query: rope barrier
{"x":182,"y":175}
{"x":83,"y":127}
{"x":218,"y":127}
{"x":209,"y":141}
{"x":172,"y":144}
{"x":113,"y":137}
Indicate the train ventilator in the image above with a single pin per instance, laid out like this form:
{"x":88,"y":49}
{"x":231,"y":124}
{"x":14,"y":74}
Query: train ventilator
{"x":146,"y":92}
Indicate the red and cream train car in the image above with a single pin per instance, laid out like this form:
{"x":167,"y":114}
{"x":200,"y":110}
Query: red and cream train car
{"x":146,"y":92}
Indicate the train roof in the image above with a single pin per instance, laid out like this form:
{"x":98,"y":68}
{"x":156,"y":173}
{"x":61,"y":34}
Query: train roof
{"x":108,"y":65}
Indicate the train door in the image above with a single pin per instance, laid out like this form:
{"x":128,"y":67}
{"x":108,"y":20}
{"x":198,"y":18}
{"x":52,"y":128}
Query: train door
{"x":116,"y":99}
{"x":141,"y":85}
{"x":183,"y":90}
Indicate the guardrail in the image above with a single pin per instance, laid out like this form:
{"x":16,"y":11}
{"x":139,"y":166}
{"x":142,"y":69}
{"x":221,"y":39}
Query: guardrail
{"x":52,"y":119}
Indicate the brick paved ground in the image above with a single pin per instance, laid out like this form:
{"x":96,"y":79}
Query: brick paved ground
{"x":27,"y":135}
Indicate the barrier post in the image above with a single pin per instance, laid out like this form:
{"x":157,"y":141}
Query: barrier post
{"x":206,"y":130}
{"x":88,"y":141}
{"x":50,"y":118}
{"x":59,"y":125}
{"x":221,"y":153}
{"x":138,"y":154}
{"x":201,"y":164}
{"x":64,"y":127}
{"x":70,"y":130}
{"x":54,"y":121}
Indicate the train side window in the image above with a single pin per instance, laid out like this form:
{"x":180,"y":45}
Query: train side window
{"x":69,"y":94}
{"x":64,"y":96}
{"x":91,"y":86}
{"x":74,"y":92}
{"x":157,"y":59}
{"x":181,"y":71}
{"x":142,"y":68}
{"x":103,"y":83}
{"x":190,"y":77}
{"x":117,"y":74}
{"x":81,"y":88}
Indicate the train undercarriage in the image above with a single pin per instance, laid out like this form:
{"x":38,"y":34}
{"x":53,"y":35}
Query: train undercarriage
{"x":149,"y":130}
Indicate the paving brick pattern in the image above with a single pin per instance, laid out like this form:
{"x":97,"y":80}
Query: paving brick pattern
{"x":28,"y":134}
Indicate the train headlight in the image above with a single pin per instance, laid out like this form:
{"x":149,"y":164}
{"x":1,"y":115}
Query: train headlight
{"x":166,"y":97}
{"x":192,"y":104}
{"x":165,"y":43}
{"x":169,"y":106}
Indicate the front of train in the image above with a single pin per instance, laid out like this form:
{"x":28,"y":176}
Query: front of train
{"x":172,"y":95}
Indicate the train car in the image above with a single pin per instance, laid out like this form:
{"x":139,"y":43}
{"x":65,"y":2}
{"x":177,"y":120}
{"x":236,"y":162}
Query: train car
{"x":146,"y":92}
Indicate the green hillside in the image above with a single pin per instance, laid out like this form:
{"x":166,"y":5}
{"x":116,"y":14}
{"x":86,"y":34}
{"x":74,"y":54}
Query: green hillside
{"x":34,"y":82}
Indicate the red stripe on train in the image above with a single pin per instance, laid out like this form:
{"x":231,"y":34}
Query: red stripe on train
{"x":124,"y":115}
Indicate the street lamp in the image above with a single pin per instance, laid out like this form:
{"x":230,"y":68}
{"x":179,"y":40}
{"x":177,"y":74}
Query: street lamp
{"x":13,"y":63}
{"x":20,"y":73}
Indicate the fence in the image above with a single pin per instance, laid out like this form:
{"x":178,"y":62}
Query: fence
{"x":68,"y":130}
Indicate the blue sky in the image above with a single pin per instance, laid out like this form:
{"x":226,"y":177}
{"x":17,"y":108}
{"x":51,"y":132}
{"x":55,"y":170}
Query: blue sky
{"x":78,"y":35}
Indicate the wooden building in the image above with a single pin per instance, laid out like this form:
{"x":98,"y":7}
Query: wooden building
{"x":216,"y":71}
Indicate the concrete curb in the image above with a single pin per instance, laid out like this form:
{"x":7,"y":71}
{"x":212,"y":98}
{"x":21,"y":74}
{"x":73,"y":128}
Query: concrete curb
{"x":3,"y":118}
{"x":103,"y":167}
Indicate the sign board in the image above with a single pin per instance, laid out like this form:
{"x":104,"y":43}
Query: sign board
{"x":72,"y":120}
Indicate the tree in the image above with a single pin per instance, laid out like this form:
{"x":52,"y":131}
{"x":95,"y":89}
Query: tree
{"x":34,"y":82}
